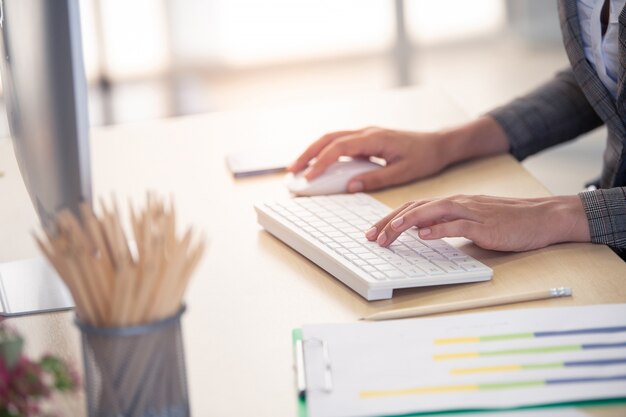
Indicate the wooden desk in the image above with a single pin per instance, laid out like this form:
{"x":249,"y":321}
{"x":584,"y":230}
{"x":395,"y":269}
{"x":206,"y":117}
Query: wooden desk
{"x":251,"y":290}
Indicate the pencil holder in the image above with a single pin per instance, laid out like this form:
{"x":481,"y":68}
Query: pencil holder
{"x":136,"y":371}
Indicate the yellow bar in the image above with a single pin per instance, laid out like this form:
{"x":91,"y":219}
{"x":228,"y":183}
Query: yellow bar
{"x":460,"y":355}
{"x":417,"y":391}
{"x":501,"y":368}
{"x":457,"y":340}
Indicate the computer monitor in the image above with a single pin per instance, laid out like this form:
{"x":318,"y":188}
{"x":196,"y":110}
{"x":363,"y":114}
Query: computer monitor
{"x":45,"y":91}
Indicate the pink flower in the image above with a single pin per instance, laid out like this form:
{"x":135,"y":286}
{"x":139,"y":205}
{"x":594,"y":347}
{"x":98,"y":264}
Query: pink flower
{"x":24,"y":383}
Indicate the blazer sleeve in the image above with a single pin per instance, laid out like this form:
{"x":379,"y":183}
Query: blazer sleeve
{"x":606,"y":213}
{"x":555,"y":112}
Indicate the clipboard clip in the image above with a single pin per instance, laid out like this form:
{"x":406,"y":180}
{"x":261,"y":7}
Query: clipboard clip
{"x":302,"y":382}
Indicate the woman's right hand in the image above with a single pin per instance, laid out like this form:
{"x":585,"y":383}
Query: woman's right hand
{"x":408,"y":155}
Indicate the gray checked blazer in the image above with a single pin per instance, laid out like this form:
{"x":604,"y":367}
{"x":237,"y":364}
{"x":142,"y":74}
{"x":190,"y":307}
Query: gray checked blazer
{"x":572,"y":103}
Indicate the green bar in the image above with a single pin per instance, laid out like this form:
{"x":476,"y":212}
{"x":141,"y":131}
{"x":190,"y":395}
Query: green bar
{"x":495,"y":338}
{"x":543,"y":366}
{"x":505,"y":385}
{"x":547,"y":349}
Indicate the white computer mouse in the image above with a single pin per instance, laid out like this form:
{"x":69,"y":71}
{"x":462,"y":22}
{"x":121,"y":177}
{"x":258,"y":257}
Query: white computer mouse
{"x":332,"y":181}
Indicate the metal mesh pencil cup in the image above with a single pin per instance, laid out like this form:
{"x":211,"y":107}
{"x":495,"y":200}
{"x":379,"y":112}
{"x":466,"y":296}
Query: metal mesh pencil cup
{"x":136,"y":371}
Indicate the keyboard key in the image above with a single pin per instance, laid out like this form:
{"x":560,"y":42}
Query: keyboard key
{"x":405,"y":238}
{"x":448,"y":266}
{"x":353,"y":246}
{"x":472,"y":266}
{"x":360,"y":262}
{"x":401,"y":263}
{"x":357,"y":249}
{"x":455,"y":254}
{"x":394,"y":274}
{"x":385,"y":267}
{"x":433,"y":256}
{"x":379,"y":276}
{"x":343,"y":251}
{"x":412,"y":271}
{"x":430,"y":269}
{"x":460,"y":259}
{"x":377,"y":261}
{"x":416,"y":246}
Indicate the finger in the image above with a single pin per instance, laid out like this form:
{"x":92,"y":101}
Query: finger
{"x":392,"y":174}
{"x":356,"y":144}
{"x":423,"y":215}
{"x":457,"y":228}
{"x":315,"y":148}
{"x":374,"y":231}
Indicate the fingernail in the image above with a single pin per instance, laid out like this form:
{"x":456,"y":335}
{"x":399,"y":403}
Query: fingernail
{"x":382,"y":238}
{"x":425,"y":232}
{"x":397,"y":222}
{"x":371,"y":233}
{"x":355,"y":186}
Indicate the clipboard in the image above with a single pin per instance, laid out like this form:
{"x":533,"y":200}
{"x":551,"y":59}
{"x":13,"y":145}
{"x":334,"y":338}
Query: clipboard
{"x":302,"y":410}
{"x":303,"y":406}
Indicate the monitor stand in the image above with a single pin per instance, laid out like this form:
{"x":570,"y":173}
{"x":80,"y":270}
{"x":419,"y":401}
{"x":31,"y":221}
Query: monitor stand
{"x":31,"y":286}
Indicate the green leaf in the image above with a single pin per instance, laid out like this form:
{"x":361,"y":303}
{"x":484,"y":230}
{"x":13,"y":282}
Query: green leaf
{"x":11,"y":350}
{"x":60,"y":371}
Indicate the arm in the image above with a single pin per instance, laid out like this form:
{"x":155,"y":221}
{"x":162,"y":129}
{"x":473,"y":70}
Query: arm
{"x":513,"y":224}
{"x":551,"y":114}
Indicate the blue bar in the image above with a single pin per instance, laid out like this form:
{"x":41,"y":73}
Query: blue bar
{"x":603,"y":345}
{"x":582,"y":380}
{"x":595,"y":330}
{"x":616,"y":361}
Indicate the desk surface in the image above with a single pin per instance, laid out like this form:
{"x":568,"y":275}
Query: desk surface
{"x":251,"y":290}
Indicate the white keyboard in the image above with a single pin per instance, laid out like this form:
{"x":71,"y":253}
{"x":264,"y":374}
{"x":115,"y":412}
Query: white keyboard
{"x":330,"y":231}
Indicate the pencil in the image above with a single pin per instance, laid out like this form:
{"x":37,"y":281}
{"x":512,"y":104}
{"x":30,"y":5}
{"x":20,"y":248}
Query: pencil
{"x":469,"y":304}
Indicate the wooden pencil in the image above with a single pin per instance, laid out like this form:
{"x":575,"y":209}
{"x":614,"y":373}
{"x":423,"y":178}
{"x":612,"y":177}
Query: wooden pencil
{"x":469,"y":304}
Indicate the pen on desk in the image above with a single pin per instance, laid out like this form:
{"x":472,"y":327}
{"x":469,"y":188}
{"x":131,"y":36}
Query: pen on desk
{"x":469,"y":304}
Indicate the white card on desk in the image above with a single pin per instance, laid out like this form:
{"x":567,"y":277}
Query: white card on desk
{"x":497,"y":360}
{"x":257,"y":162}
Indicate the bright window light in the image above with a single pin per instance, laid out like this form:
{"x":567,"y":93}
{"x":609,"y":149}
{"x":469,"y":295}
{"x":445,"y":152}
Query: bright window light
{"x":259,"y":32}
{"x":134,"y":37}
{"x":453,"y":20}
{"x":248,"y":33}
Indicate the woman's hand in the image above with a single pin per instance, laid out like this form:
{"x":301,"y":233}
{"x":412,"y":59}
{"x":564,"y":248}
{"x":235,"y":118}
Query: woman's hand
{"x":408,"y":155}
{"x":498,"y":223}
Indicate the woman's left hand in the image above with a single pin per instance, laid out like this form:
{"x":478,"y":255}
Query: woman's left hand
{"x":498,"y":223}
